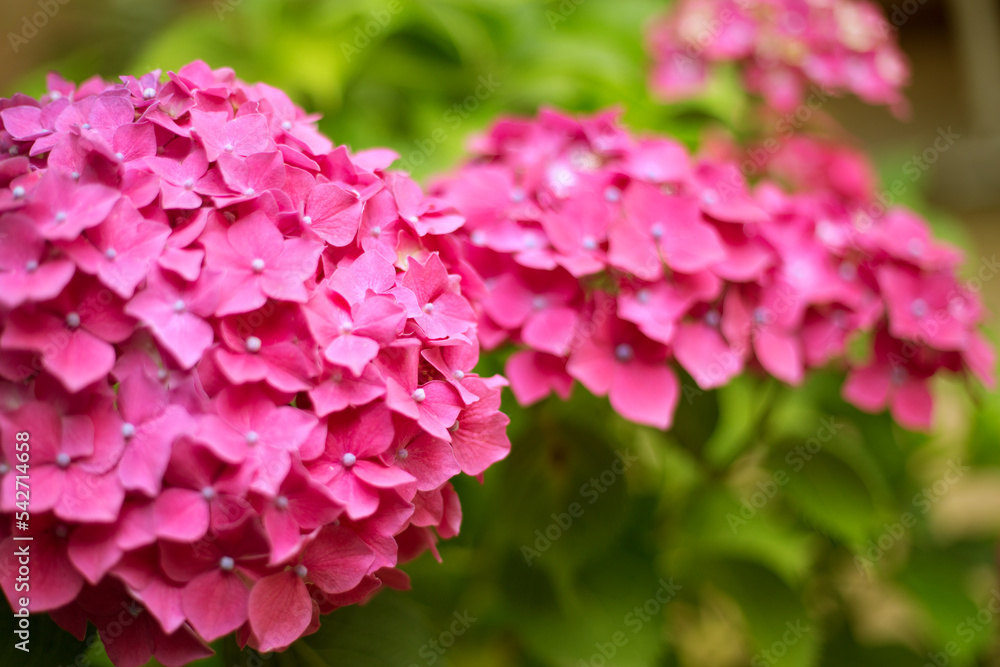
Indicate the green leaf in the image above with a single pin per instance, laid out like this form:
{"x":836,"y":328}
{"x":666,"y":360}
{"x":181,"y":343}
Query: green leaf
{"x":780,"y":630}
{"x":717,"y":525}
{"x":390,"y":631}
{"x":829,"y":495}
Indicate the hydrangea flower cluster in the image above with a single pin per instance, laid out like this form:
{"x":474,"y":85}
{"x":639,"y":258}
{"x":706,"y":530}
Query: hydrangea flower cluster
{"x":609,"y":259}
{"x":243,"y":359}
{"x":782,"y":47}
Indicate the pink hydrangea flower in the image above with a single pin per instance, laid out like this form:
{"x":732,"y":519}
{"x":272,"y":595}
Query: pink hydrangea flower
{"x":617,"y":261}
{"x":245,"y":360}
{"x":783,"y":48}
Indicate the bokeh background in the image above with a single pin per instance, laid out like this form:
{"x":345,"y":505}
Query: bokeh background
{"x":782,"y":526}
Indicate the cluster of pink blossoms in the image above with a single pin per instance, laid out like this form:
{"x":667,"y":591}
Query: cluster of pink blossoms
{"x":243,"y":359}
{"x":607,"y":259}
{"x":782,"y":47}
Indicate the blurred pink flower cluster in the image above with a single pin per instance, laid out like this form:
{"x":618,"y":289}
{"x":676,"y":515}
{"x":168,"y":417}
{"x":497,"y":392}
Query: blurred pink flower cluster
{"x":609,"y":259}
{"x":782,"y":47}
{"x":243,"y":358}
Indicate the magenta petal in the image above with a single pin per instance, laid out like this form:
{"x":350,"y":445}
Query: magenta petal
{"x":593,"y":366}
{"x":335,"y":213}
{"x":148,"y":452}
{"x":481,"y":437}
{"x":384,"y":477}
{"x":552,"y":330}
{"x":337,"y":393}
{"x":54,"y":580}
{"x":280,"y":610}
{"x":23,"y":122}
{"x":179,"y":648}
{"x":337,"y":560}
{"x":283,"y":533}
{"x":132,"y":647}
{"x":215,"y":603}
{"x":358,"y":498}
{"x":163,"y":600}
{"x":913,"y":405}
{"x":92,"y":550}
{"x":89,"y":497}
{"x":77,"y":358}
{"x":431,"y":461}
{"x":181,"y":515}
{"x":780,"y":355}
{"x":353,"y":352}
{"x":703,"y":353}
{"x":645,"y":393}
{"x":868,"y":388}
{"x":534,"y":375}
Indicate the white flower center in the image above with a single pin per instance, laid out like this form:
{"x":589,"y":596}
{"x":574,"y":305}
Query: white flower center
{"x":624,"y":352}
{"x":253,"y":344}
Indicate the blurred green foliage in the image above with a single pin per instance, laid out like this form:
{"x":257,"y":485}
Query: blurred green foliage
{"x":782,"y":526}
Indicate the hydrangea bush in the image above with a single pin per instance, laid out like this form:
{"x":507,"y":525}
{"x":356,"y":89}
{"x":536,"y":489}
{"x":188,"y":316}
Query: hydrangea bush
{"x":782,"y":47}
{"x":612,"y":259}
{"x":243,"y":358}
